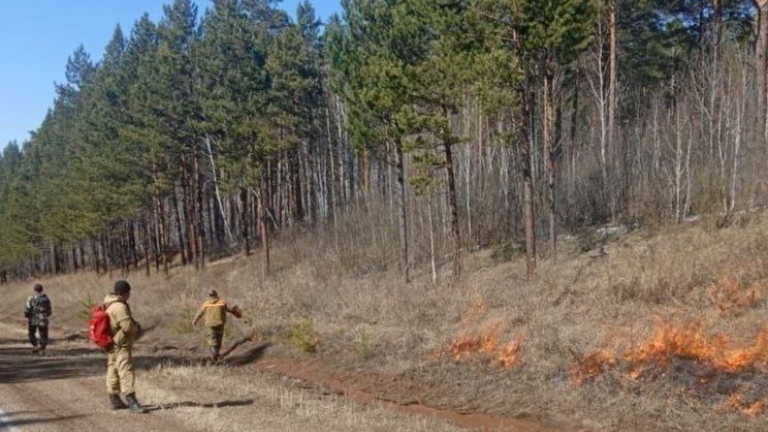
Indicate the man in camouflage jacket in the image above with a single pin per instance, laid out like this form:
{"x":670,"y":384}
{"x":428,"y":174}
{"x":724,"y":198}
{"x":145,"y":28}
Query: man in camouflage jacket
{"x":38,"y":310}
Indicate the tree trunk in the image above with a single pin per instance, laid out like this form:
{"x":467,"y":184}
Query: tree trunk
{"x":107,"y":251}
{"x":160,"y":215}
{"x":433,"y":266}
{"x":134,"y":244}
{"x":261,"y":197}
{"x":214,"y":240}
{"x":199,"y":213}
{"x":452,"y":200}
{"x":761,"y":49}
{"x":549,"y":154}
{"x":573,"y":135}
{"x":244,"y":221}
{"x":717,"y":18}
{"x":311,"y":184}
{"x":405,"y":261}
{"x":189,"y":214}
{"x":147,"y":244}
{"x":612,"y":84}
{"x":269,"y":198}
{"x":216,"y":187}
{"x":75,"y":264}
{"x":527,"y":168}
{"x":298,"y":207}
{"x":95,"y":256}
{"x":179,"y":227}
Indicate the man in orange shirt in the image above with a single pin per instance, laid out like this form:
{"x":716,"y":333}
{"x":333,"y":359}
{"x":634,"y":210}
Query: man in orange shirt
{"x":214,"y":311}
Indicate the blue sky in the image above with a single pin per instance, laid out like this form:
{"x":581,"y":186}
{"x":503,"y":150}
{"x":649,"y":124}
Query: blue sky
{"x":36,"y":37}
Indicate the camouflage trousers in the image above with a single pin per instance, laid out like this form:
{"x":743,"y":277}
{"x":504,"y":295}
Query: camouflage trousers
{"x":120,"y":376}
{"x":42,"y":341}
{"x":214,"y":336}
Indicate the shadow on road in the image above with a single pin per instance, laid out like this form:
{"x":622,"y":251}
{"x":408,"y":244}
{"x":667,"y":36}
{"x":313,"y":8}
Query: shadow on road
{"x":27,"y":422}
{"x":247,"y":357}
{"x":18,"y":365}
{"x":225,"y":404}
{"x":5,"y":341}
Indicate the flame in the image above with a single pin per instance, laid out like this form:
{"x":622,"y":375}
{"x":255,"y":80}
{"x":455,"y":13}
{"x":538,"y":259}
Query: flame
{"x":591,"y":366}
{"x":482,"y":344}
{"x":509,"y":356}
{"x":689,"y":342}
{"x":674,"y":341}
{"x":682,"y":341}
{"x":482,"y":341}
{"x":465,"y":349}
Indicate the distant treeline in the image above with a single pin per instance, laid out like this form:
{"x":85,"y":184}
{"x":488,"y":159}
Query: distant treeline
{"x":446,"y":124}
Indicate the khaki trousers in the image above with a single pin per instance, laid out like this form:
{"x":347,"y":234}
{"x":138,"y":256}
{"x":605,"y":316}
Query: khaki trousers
{"x":215,"y":336}
{"x":120,"y":377}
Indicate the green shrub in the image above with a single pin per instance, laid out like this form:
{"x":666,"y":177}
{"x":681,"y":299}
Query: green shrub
{"x":183,"y":325}
{"x":304,"y":337}
{"x":362,"y":345}
{"x":86,"y":307}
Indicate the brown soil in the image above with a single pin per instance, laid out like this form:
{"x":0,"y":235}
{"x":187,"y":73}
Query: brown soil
{"x":358,"y":387}
{"x":63,"y":390}
{"x":370,"y":388}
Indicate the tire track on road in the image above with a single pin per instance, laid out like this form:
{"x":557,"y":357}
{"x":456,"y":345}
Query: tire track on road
{"x":5,"y":423}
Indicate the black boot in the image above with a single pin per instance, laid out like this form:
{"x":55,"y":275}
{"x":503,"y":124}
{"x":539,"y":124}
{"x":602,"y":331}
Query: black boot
{"x":134,"y":405}
{"x":215,"y":354}
{"x":116,"y":403}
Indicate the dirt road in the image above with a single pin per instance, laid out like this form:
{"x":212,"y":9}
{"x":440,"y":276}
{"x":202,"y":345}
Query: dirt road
{"x":62,"y":391}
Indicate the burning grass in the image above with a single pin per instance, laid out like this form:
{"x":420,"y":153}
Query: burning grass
{"x":483,"y":342}
{"x":714,"y":361}
{"x":688,"y":341}
{"x":673,"y":273}
{"x":678,"y":341}
{"x":591,"y":366}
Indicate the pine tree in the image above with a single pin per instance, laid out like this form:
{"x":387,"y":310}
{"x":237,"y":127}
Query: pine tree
{"x":175,"y":112}
{"x":373,"y":56}
{"x":553,"y":33}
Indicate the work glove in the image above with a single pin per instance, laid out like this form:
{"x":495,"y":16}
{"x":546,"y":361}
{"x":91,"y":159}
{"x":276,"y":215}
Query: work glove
{"x":139,"y":330}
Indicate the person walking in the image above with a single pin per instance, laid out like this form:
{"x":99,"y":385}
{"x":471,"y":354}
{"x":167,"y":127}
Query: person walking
{"x":125,"y":331}
{"x":215,"y":311}
{"x":38,"y":310}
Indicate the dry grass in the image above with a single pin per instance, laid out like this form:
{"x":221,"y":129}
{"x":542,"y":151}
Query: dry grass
{"x":577,"y":306}
{"x":230,"y":400}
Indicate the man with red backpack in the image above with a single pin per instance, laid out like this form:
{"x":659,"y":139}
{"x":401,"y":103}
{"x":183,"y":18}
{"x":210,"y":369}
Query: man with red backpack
{"x":125,"y":331}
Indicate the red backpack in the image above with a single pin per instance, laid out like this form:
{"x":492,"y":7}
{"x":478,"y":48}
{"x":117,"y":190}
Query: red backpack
{"x":99,"y":330}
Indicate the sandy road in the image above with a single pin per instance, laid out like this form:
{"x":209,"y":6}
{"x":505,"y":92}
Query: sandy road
{"x":62,"y":391}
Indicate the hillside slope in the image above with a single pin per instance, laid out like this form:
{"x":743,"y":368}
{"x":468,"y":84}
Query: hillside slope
{"x":661,"y":330}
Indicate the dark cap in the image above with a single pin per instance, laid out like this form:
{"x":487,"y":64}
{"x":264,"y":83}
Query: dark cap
{"x":213,"y":293}
{"x":38,"y":288}
{"x":122,"y":287}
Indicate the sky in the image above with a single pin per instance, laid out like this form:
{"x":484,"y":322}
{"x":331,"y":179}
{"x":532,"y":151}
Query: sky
{"x":37,"y":37}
